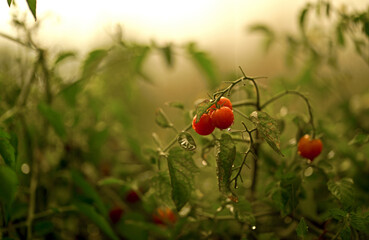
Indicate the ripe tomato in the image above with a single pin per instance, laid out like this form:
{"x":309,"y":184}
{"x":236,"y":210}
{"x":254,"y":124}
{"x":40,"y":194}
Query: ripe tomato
{"x":164,"y":216}
{"x":115,"y":214}
{"x":223,"y":102}
{"x":132,"y":196}
{"x":309,"y":148}
{"x":205,"y":126}
{"x":222,"y":118}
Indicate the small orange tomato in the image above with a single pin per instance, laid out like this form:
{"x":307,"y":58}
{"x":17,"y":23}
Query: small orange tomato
{"x":205,"y":126}
{"x":309,"y":148}
{"x":164,"y":216}
{"x":222,"y":118}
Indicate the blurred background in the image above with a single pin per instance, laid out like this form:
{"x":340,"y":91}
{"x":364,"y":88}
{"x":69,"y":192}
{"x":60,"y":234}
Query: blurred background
{"x":96,"y":73}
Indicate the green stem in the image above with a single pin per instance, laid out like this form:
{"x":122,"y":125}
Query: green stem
{"x":32,"y":200}
{"x":46,"y":72}
{"x":6,"y":36}
{"x":276,"y":97}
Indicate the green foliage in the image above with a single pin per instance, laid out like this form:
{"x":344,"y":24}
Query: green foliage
{"x":343,"y":191}
{"x":53,"y":118}
{"x":162,"y":119}
{"x":90,"y":147}
{"x":268,"y":128}
{"x":302,"y":229}
{"x":7,"y":150}
{"x":32,"y":7}
{"x":90,"y":212}
{"x":226,"y":154}
{"x":181,"y":170}
{"x":205,"y":63}
{"x":8,"y":185}
{"x":88,"y":192}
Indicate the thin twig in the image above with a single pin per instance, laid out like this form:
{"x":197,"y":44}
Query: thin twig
{"x":276,"y":97}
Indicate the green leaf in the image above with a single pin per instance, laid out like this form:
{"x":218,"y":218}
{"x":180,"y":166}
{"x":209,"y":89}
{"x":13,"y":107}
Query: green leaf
{"x":90,"y":212}
{"x":268,"y":128}
{"x":42,"y":228}
{"x":181,"y":170}
{"x":64,"y":55}
{"x":176,"y":104}
{"x":54,"y":119}
{"x":167,"y":52}
{"x":346,"y":233}
{"x":10,"y":2}
{"x":302,"y":228}
{"x":337,"y":213}
{"x":268,"y":33}
{"x":161,"y":184}
{"x":226,"y":154}
{"x":110,"y":181}
{"x":303,"y":15}
{"x":202,"y":108}
{"x":360,"y":139}
{"x":161,"y":119}
{"x":327,"y":9}
{"x":142,"y":54}
{"x":205,"y":63}
{"x":360,"y":221}
{"x":70,"y":93}
{"x":342,"y":190}
{"x":88,"y":191}
{"x":92,"y":62}
{"x":243,"y":211}
{"x":339,"y":34}
{"x":8,"y":184}
{"x":7,"y":150}
{"x":32,"y":7}
{"x":186,"y":141}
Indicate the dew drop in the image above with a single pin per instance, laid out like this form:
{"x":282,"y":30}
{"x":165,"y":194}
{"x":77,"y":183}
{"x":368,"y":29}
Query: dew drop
{"x":253,"y":227}
{"x":308,"y":171}
{"x":283,"y":111}
{"x":236,"y":187}
{"x":205,"y":163}
{"x":229,"y":129}
{"x":25,"y":168}
{"x":232,"y":165}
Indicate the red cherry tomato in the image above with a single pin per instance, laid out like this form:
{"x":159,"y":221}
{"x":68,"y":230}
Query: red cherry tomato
{"x":223,"y":102}
{"x":222,"y":118}
{"x":205,"y":126}
{"x":132,"y":196}
{"x":164,"y":216}
{"x":309,"y":148}
{"x":115,"y":214}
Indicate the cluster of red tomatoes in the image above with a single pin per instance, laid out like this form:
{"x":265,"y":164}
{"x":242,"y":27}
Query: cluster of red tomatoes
{"x":219,"y":115}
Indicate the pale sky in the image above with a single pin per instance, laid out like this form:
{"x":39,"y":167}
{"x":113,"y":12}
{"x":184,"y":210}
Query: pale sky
{"x":79,"y":23}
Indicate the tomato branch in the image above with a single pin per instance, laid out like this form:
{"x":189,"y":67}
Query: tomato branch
{"x":249,"y":150}
{"x":278,"y":96}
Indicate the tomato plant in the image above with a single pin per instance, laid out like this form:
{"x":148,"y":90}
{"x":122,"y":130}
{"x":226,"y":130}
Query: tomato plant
{"x":73,"y":147}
